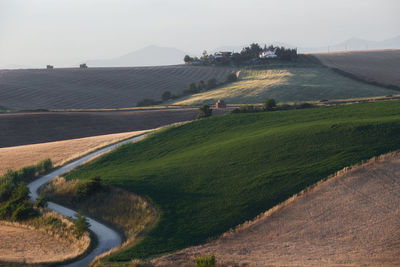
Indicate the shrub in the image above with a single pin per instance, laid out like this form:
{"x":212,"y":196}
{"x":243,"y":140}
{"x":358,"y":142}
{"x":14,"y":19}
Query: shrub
{"x":6,"y":210}
{"x":211,"y":83}
{"x":269,"y":104}
{"x":231,"y":77}
{"x":204,"y":112}
{"x":201,"y":86}
{"x":27,"y":173}
{"x":86,"y":188}
{"x":24,"y":211}
{"x":6,"y":190}
{"x":147,"y":102}
{"x":166,"y":95}
{"x":41,"y":202}
{"x":44,"y":166}
{"x":306,"y":105}
{"x":81,"y":224}
{"x":206,"y":261}
{"x":20,"y":193}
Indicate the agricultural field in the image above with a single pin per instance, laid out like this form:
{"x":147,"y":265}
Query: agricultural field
{"x":287,"y":84}
{"x":59,"y":152}
{"x":97,"y":87}
{"x":211,"y":175}
{"x":31,"y":128}
{"x":377,"y":67}
{"x":349,"y":218}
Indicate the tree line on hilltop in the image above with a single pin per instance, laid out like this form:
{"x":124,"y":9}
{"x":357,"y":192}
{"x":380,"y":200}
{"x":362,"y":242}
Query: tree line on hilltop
{"x":251,"y":54}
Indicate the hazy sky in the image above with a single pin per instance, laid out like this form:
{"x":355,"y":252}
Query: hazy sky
{"x":64,"y":32}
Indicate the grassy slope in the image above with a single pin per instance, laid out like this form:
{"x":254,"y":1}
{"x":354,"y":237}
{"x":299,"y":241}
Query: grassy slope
{"x":210,"y":175}
{"x":287,"y":84}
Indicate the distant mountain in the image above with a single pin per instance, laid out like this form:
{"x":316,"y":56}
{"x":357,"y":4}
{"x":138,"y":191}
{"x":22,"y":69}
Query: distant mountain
{"x":355,"y":44}
{"x":148,"y":56}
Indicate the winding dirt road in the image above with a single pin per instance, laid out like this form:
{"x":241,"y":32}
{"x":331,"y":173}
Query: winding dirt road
{"x":107,"y":238}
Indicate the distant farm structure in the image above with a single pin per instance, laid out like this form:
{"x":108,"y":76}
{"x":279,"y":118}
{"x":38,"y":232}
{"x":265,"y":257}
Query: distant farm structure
{"x":220,"y":104}
{"x":49,"y":67}
{"x":83,"y":66}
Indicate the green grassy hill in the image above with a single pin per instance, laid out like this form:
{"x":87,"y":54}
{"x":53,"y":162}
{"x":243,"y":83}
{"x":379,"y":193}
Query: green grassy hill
{"x":213,"y":174}
{"x":287,"y":83}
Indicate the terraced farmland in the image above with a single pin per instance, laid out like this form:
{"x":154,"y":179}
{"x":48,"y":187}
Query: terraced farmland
{"x":379,"y":67}
{"x":97,"y":87}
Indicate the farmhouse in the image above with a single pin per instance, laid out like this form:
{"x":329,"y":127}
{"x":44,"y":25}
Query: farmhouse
{"x":220,"y":104}
{"x":267,"y":54}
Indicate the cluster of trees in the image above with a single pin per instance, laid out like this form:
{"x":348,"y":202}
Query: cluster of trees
{"x":248,"y":55}
{"x":270,"y":105}
{"x":14,"y":193}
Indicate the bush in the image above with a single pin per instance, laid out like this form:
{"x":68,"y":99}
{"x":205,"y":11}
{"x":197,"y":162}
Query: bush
{"x":231,"y":78}
{"x":305,"y":105}
{"x":206,"y":261}
{"x":86,"y":188}
{"x":6,"y":190}
{"x":269,"y":104}
{"x":166,"y":95}
{"x":20,"y":193}
{"x":41,"y":202}
{"x":81,"y":224}
{"x":147,"y":102}
{"x":211,"y":83}
{"x":24,"y":211}
{"x":27,"y":173}
{"x":204,"y":112}
{"x":44,"y":166}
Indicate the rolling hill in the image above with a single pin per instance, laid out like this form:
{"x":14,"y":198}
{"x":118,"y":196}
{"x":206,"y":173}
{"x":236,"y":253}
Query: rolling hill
{"x":305,"y":80}
{"x":381,"y":67}
{"x":210,"y":175}
{"x":97,"y":87}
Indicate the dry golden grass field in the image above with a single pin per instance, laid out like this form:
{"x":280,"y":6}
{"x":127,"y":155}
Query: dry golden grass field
{"x":59,"y":152}
{"x":97,"y":87}
{"x":37,"y":242}
{"x":352,"y":219}
{"x":380,"y":66}
{"x":24,"y":245}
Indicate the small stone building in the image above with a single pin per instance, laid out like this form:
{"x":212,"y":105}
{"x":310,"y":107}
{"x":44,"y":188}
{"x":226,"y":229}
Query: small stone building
{"x":220,"y":104}
{"x":49,"y":67}
{"x":83,"y":66}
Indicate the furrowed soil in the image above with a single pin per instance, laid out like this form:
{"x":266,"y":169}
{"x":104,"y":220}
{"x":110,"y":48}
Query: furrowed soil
{"x":351,"y":219}
{"x":31,"y":128}
{"x":59,"y":152}
{"x":380,"y":67}
{"x":97,"y":87}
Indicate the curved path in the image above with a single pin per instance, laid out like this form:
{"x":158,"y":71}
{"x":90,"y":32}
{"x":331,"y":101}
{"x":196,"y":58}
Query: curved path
{"x":107,"y":238}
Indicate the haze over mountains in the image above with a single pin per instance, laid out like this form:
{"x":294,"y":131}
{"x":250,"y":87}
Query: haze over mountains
{"x":156,"y":56}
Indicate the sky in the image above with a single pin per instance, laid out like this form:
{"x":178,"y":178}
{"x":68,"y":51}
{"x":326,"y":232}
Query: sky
{"x":64,"y":32}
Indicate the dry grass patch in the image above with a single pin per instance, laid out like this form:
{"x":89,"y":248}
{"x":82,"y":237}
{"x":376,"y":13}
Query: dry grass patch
{"x":59,"y":152}
{"x":131,"y":214}
{"x":48,"y":238}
